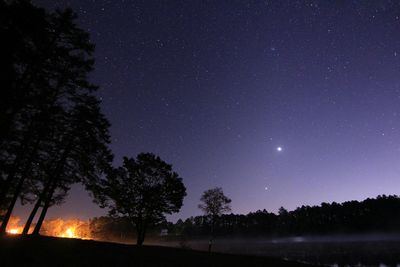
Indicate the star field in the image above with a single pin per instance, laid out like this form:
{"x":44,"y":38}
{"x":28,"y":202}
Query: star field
{"x":215,"y":87}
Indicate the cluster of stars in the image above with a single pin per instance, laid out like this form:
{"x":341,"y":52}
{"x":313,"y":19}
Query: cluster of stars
{"x":202,"y":83}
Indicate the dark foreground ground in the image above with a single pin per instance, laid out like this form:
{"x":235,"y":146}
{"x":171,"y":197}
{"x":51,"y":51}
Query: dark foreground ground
{"x":49,"y":251}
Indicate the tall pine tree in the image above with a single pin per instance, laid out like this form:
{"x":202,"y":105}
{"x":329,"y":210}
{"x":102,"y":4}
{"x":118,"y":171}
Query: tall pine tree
{"x":49,"y":110}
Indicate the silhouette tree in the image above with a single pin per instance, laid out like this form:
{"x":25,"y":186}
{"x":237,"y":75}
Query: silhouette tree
{"x":81,"y":155}
{"x":143,"y":189}
{"x":21,"y":27}
{"x":214,"y":204}
{"x":42,"y":130}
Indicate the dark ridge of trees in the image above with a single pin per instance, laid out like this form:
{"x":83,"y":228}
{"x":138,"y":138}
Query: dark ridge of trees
{"x":111,"y":228}
{"x":143,"y":189}
{"x":381,"y":214}
{"x":52,"y":131}
{"x":121,"y":229}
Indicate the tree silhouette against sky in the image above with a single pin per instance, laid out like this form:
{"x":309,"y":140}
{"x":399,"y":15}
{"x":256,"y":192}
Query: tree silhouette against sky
{"x":214,"y":203}
{"x":52,"y":132}
{"x":144,"y":189}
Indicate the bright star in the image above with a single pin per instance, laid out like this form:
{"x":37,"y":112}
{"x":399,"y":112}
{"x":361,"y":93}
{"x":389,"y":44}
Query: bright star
{"x":279,"y":148}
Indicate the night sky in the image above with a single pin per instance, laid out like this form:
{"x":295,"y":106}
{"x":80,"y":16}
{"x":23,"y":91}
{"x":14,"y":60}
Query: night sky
{"x":215,"y":87}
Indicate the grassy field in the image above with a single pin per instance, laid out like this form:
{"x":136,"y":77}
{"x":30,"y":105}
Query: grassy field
{"x":50,"y":251}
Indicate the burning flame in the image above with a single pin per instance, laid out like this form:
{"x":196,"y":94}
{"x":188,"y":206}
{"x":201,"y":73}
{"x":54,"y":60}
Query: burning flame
{"x":67,"y":228}
{"x":13,"y":226}
{"x":13,"y":231}
{"x":72,"y":228}
{"x":70,"y":233}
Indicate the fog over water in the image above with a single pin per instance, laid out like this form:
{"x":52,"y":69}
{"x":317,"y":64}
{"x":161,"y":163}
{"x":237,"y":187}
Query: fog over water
{"x":372,"y":249}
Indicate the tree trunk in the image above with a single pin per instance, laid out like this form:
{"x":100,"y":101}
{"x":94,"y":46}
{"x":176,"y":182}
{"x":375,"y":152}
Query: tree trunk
{"x":7,"y":184}
{"x":52,"y":187}
{"x":143,"y":234}
{"x":10,"y":208}
{"x":140,"y":238}
{"x":210,"y":242}
{"x":32,"y":216}
{"x":45,"y":208}
{"x":36,"y":207}
{"x":5,"y":187}
{"x":139,"y":241}
{"x":18,"y":188}
{"x":140,"y":231}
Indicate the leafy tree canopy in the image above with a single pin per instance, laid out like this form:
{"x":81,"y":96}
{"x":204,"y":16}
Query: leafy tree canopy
{"x":145,"y":189}
{"x":214,"y":202}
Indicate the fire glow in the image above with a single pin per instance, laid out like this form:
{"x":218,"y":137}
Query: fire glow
{"x":13,"y":231}
{"x":72,"y":228}
{"x":70,"y":233}
{"x":14,"y":227}
{"x":67,"y":228}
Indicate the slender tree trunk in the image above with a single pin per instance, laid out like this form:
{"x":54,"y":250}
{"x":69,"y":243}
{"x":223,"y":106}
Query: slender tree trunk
{"x":38,"y":225}
{"x":139,"y":234}
{"x":210,"y":242}
{"x":45,"y":208}
{"x":139,"y":241}
{"x":140,"y":238}
{"x":7,"y":183}
{"x":36,"y":207}
{"x":18,"y":188}
{"x":143,"y":234}
{"x":10,"y":208}
{"x":140,"y":231}
{"x":5,"y":187}
{"x":16,"y":164}
{"x":53,"y":180}
{"x":32,"y":216}
{"x":17,"y":191}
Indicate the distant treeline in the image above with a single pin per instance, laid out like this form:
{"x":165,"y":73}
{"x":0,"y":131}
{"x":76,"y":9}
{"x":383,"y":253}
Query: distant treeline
{"x":381,"y":214}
